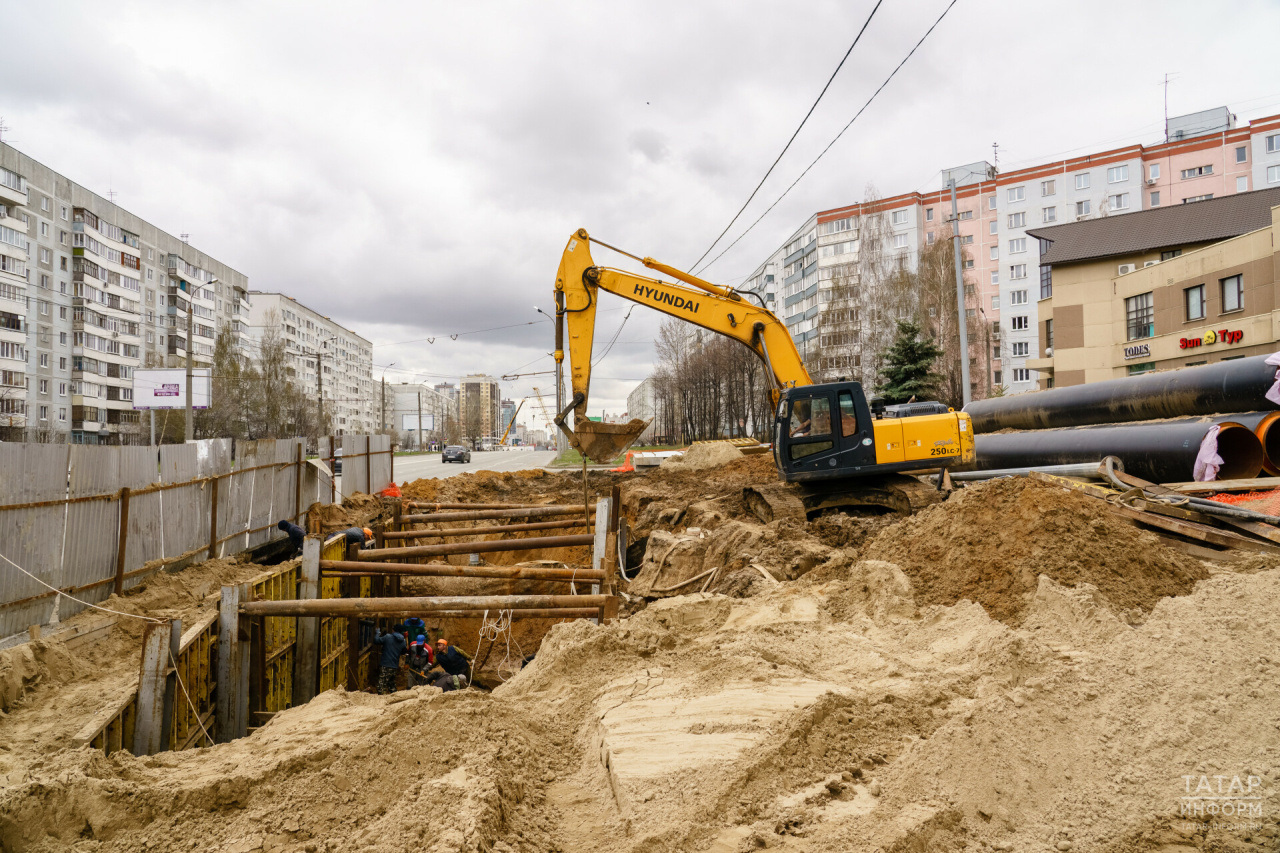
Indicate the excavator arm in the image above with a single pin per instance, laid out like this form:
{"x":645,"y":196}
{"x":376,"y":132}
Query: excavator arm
{"x":718,"y":309}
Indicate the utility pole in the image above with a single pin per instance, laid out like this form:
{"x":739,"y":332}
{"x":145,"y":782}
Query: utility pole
{"x":961,"y":319}
{"x":384,"y":403}
{"x":191,"y":426}
{"x":419,"y":421}
{"x":319,"y":397}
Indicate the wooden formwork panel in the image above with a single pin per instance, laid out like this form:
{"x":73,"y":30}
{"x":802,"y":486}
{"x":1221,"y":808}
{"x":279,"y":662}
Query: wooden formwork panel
{"x":193,"y":721}
{"x":279,"y":635}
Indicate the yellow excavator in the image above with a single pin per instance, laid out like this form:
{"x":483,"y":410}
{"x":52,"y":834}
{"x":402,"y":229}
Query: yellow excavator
{"x":841,"y":449}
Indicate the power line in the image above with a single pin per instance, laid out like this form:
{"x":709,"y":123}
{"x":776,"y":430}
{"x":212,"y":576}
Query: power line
{"x":837,"y":137}
{"x":793,"y":135}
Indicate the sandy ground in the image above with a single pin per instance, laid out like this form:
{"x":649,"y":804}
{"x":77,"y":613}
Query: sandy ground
{"x":1024,"y":675}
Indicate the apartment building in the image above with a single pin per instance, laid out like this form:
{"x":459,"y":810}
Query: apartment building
{"x":1167,"y":287}
{"x":480,"y":408}
{"x":1207,"y":156}
{"x":311,"y":340}
{"x":641,"y":404}
{"x":88,"y":293}
{"x":408,"y":400}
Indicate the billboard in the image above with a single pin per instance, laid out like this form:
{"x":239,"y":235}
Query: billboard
{"x":410,"y":422}
{"x":166,"y":387}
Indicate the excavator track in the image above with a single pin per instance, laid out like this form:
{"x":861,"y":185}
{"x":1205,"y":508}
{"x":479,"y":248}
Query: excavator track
{"x":896,"y":493}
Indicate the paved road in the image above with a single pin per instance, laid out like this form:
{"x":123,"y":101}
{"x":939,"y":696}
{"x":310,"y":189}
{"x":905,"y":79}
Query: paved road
{"x":410,"y":468}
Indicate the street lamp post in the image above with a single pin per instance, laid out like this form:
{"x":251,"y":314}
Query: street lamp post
{"x":383,"y":419}
{"x":560,"y":448}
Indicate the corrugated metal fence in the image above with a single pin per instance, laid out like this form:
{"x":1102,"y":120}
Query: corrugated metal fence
{"x":88,"y":520}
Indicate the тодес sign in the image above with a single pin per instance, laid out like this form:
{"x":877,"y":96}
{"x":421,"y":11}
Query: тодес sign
{"x":1138,"y":351}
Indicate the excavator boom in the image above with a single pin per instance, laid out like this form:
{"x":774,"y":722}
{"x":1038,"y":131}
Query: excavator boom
{"x":718,"y":309}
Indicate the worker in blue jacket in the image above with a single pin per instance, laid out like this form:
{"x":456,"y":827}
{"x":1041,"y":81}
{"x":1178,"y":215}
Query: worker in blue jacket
{"x":393,"y":648}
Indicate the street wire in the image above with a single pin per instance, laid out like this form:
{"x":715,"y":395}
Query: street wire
{"x":830,"y":80}
{"x":833,"y":141}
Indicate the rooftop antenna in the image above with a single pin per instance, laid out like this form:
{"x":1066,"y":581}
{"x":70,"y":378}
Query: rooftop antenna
{"x":111,"y":196}
{"x":995,"y":155}
{"x":186,"y":238}
{"x":3,"y":128}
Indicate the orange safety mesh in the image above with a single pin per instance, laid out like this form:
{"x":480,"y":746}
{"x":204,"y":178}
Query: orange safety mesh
{"x":1267,"y":503}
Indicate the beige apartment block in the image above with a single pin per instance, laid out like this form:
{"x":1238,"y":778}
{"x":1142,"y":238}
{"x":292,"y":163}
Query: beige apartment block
{"x":1160,"y":290}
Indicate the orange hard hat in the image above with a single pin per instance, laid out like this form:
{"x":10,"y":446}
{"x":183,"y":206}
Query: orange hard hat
{"x":368,"y":534}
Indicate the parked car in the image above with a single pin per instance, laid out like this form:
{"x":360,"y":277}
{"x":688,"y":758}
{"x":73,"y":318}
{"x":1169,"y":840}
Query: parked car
{"x":337,"y":461}
{"x":455,"y":454}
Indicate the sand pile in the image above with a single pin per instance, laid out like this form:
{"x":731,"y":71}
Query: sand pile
{"x":989,"y":544}
{"x":533,"y":486}
{"x":700,"y":457}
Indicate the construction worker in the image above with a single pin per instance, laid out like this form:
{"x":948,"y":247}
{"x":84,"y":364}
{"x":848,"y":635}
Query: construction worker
{"x":421,"y":658}
{"x":296,"y":534}
{"x":456,"y":665}
{"x":415,"y":627}
{"x":393,"y":648}
{"x":361,"y":536}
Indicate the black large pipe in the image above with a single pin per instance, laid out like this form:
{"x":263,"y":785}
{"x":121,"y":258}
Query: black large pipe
{"x":1239,"y":385}
{"x":1162,"y":452}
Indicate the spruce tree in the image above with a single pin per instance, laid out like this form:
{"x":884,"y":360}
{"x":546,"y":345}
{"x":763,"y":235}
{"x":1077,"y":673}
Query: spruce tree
{"x":908,"y":369}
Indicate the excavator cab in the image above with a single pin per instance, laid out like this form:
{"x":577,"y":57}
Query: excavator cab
{"x":828,"y":432}
{"x":823,"y":432}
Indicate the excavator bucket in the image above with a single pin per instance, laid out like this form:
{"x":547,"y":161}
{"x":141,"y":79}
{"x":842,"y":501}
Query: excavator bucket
{"x":602,"y":442}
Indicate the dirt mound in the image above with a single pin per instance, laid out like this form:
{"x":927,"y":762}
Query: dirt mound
{"x":533,"y":486}
{"x":990,"y":543}
{"x":700,"y":457}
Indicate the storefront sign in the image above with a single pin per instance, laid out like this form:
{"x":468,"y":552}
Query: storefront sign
{"x":1138,"y":351}
{"x":1220,"y":336}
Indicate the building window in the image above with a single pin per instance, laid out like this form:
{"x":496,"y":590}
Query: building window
{"x":62,"y":237}
{"x":995,"y":253}
{"x":64,"y":213}
{"x":44,"y":359}
{"x":1117,"y":174}
{"x":1195,"y":198}
{"x":62,"y":415}
{"x":1144,"y":367}
{"x":1082,"y":208}
{"x":1155,"y":171}
{"x":1242,"y":154}
{"x":62,"y":338}
{"x":1232,"y":293}
{"x":993,"y":226}
{"x":1018,"y":245}
{"x":1017,"y":297}
{"x":1242,"y":183}
{"x":966,"y":239}
{"x":995,"y":279}
{"x":1141,"y":313}
{"x":1273,"y":174}
{"x":995,"y":377}
{"x":930,"y":237}
{"x":1019,"y":323}
{"x":899,"y":241}
{"x":44,"y":229}
{"x":1046,"y":281}
{"x":1021,"y":374}
{"x":899,"y":217}
{"x":1082,"y":181}
{"x":44,"y":413}
{"x":1049,"y":214}
{"x":62,"y":389}
{"x":46,"y":256}
{"x":1273,"y":144}
{"x":1017,"y":193}
{"x":968,"y":264}
{"x":1021,"y":349}
{"x":62,"y":363}
{"x":991,"y":203}
{"x":1155,"y":199}
{"x":1119,"y":201}
{"x":928,"y":214}
{"x":44,"y":386}
{"x":1195,"y":302}
{"x":965,"y":214}
{"x":995,"y":304}
{"x":62,"y":312}
{"x":1048,"y":333}
{"x":1017,"y":272}
{"x":1048,"y":187}
{"x":1170,"y":254}
{"x":1017,"y":220}
{"x":1198,"y":171}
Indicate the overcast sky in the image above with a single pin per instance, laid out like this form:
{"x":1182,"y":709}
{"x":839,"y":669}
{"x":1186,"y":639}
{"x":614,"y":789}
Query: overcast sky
{"x":414,"y":169}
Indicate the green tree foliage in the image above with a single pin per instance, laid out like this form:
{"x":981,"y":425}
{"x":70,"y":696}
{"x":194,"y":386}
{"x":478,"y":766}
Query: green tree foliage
{"x":909,"y":366}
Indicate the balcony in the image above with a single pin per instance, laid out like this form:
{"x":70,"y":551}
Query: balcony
{"x":13,"y":188}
